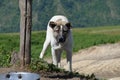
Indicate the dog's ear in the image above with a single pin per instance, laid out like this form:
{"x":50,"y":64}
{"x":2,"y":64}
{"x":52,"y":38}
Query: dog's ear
{"x":52,"y":24}
{"x":68,"y":25}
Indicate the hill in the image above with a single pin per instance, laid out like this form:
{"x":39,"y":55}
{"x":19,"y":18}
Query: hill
{"x":81,"y":13}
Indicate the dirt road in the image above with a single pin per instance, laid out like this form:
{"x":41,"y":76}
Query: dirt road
{"x":103,"y":61}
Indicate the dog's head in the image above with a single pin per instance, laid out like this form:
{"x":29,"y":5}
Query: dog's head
{"x":61,"y":30}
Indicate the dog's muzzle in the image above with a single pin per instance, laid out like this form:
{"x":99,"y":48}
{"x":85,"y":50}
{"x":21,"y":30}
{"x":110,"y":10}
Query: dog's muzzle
{"x":61,"y":40}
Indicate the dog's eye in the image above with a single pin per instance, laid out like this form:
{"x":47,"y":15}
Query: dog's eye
{"x":57,"y":30}
{"x":65,"y":31}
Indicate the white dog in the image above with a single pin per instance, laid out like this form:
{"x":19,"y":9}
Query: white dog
{"x":59,"y":35}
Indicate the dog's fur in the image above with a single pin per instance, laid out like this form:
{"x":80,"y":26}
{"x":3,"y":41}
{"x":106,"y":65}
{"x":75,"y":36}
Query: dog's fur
{"x":59,"y":35}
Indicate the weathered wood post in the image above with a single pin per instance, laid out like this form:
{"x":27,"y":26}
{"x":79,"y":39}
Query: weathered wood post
{"x":25,"y":31}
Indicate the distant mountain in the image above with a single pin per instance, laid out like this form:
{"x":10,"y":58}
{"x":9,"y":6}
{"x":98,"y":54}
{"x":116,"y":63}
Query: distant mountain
{"x":81,"y":13}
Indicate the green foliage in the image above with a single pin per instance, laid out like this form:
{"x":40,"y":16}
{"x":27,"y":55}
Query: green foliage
{"x":4,"y":58}
{"x":86,"y":37}
{"x":8,"y":43}
{"x":81,"y":13}
{"x":39,"y":64}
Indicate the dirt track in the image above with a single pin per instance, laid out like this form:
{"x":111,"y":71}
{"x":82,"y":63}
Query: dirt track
{"x":103,"y":61}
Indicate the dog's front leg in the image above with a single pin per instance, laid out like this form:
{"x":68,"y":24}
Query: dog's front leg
{"x":46,"y":43}
{"x":69,"y":60}
{"x":54,"y":56}
{"x":58,"y":54}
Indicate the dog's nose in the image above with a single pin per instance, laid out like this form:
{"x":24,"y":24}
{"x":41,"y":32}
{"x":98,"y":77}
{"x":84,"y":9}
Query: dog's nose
{"x":61,"y":40}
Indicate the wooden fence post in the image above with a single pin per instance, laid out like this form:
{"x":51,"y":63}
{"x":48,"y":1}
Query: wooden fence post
{"x":25,"y":31}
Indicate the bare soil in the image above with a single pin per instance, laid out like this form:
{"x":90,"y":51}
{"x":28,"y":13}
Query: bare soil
{"x":103,"y":61}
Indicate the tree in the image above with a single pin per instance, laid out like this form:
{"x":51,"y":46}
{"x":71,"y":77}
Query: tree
{"x":25,"y":31}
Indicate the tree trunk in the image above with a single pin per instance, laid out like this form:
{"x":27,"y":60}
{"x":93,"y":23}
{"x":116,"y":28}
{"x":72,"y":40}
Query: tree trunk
{"x":25,"y":31}
{"x":28,"y":32}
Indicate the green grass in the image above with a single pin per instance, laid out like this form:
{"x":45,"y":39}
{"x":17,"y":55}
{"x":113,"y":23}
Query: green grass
{"x":86,"y":37}
{"x":83,"y":38}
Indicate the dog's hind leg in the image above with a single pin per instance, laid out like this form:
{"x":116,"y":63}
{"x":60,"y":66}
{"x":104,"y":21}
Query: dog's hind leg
{"x":46,"y":43}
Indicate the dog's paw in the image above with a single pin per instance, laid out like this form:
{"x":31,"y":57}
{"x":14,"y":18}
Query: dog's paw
{"x":40,"y":56}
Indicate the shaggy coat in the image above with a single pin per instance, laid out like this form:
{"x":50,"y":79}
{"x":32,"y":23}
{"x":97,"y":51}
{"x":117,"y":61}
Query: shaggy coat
{"x":59,"y":36}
